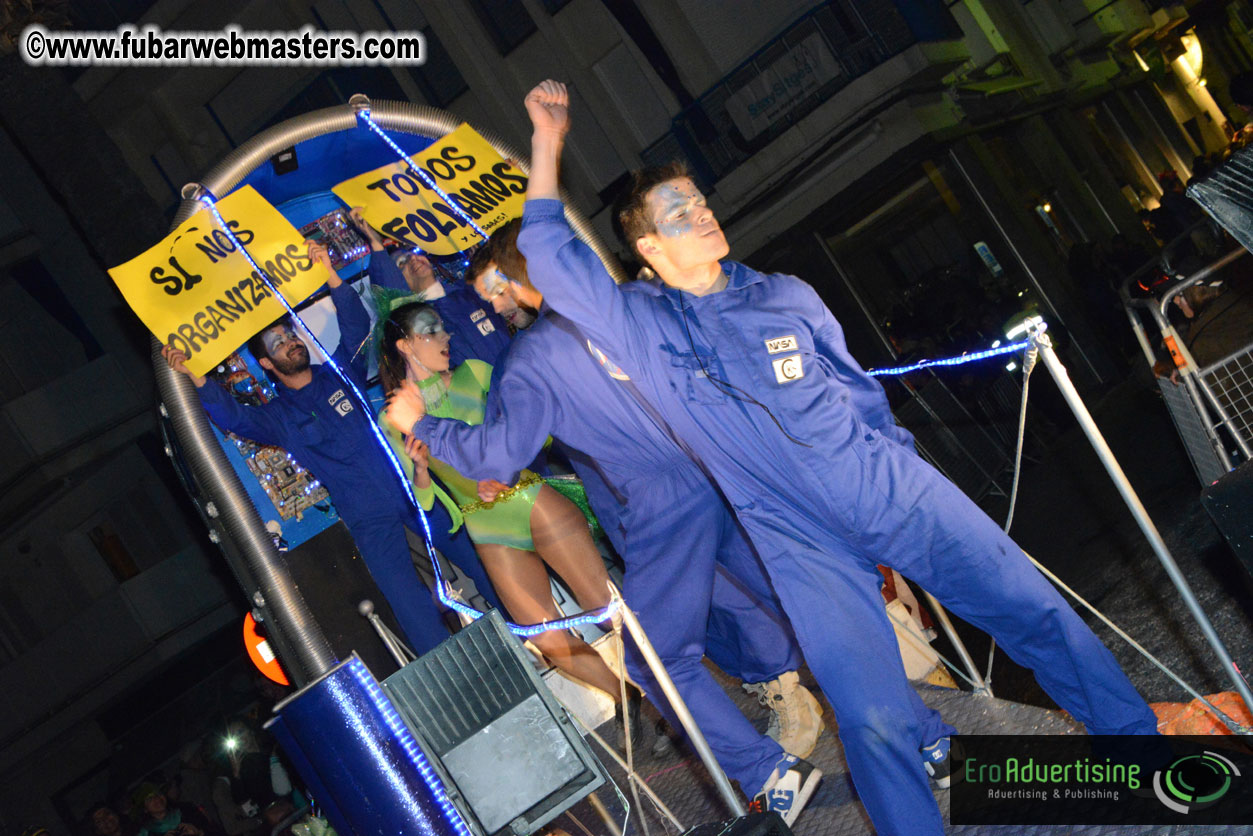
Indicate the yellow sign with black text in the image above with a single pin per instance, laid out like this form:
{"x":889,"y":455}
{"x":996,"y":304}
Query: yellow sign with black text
{"x":478,"y":183}
{"x":197,"y":292}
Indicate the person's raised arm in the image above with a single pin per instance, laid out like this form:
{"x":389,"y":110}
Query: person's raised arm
{"x":350,"y":314}
{"x":567,"y":271}
{"x":358,"y":220}
{"x":517,"y":417}
{"x":249,"y":422}
{"x":548,"y":105}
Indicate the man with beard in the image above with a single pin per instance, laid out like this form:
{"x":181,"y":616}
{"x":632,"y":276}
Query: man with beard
{"x":322,"y":424}
{"x":407,"y":276}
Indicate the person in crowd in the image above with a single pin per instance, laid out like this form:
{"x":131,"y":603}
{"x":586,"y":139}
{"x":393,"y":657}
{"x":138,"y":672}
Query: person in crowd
{"x":519,"y":529}
{"x":193,"y":782}
{"x":106,"y":822}
{"x":253,"y":785}
{"x":1220,"y":319}
{"x":1240,"y":89}
{"x":319,"y":420}
{"x":678,"y":536}
{"x":162,"y":817}
{"x":751,"y":373}
{"x":475,"y":330}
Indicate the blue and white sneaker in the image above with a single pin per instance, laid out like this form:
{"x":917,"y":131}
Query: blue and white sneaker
{"x":936,"y":759}
{"x":788,"y":789}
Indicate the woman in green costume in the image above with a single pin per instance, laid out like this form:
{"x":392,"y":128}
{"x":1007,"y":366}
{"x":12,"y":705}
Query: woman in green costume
{"x":517,"y":528}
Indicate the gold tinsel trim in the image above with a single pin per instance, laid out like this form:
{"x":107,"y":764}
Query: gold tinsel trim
{"x":523,"y":483}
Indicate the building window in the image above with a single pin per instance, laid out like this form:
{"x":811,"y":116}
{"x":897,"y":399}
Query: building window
{"x":335,"y":87}
{"x":554,"y":6}
{"x":507,"y":21}
{"x":104,"y":15}
{"x":439,"y":79}
{"x":113,"y":551}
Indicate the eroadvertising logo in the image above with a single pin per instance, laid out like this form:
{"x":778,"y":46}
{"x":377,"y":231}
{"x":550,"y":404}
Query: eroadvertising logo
{"x":1195,"y":782}
{"x":1101,"y":779}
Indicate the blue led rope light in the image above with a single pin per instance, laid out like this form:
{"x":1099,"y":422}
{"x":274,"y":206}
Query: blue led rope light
{"x":953,"y":361}
{"x":364,"y":116}
{"x":405,"y":738}
{"x":525,"y":630}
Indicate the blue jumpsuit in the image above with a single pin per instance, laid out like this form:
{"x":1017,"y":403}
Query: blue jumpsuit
{"x":476,"y":331}
{"x":328,"y":432}
{"x":672,"y":528}
{"x":826,"y":504}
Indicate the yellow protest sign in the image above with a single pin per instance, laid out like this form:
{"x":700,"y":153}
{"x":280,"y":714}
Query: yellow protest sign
{"x":197,"y":292}
{"x":477,"y":180}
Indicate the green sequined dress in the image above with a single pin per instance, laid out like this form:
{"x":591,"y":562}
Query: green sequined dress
{"x":507,"y":519}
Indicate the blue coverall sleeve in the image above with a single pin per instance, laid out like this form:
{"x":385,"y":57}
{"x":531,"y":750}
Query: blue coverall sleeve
{"x":516,"y":420}
{"x":354,"y":328}
{"x":866,"y":393}
{"x":571,"y":276}
{"x":254,"y":423}
{"x":383,"y":272}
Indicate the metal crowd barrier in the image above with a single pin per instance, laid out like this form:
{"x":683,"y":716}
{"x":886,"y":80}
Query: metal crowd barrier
{"x":1211,"y":407}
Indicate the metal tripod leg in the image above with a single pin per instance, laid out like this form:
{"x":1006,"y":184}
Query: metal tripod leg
{"x":1036,"y":329}
{"x":729,"y":796}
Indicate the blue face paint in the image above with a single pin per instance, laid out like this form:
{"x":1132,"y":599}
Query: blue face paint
{"x":274,"y":340}
{"x":494,"y":283}
{"x":425,"y":323}
{"x":675,"y":209}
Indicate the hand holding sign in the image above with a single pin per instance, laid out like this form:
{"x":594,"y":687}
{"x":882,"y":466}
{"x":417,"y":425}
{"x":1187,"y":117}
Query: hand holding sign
{"x":358,"y":220}
{"x":477,"y":185}
{"x":320,"y":255}
{"x":177,"y":361}
{"x":197,"y":292}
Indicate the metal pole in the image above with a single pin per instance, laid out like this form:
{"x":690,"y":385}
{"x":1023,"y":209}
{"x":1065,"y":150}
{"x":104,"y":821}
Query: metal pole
{"x":1036,"y":329}
{"x":729,"y":796}
{"x":941,"y":615}
{"x":632,"y":776}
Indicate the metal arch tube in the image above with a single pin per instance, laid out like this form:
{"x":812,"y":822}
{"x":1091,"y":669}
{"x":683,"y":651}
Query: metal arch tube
{"x":240,"y":522}
{"x":297,"y":632}
{"x":398,"y":116}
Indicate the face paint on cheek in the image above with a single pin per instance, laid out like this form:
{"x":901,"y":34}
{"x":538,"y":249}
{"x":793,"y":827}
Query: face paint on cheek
{"x":495,"y":283}
{"x":671,"y":200}
{"x":274,"y":339}
{"x":675,"y":229}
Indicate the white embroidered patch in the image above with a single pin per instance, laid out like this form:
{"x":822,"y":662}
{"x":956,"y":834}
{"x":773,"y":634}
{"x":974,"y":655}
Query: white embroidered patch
{"x":341,"y":402}
{"x":486,"y":327}
{"x":781,"y":344}
{"x":787,"y":369}
{"x":477,"y":315}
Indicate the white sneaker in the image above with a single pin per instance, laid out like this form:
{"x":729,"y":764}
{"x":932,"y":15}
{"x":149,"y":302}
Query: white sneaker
{"x":795,"y":715}
{"x":788,"y":790}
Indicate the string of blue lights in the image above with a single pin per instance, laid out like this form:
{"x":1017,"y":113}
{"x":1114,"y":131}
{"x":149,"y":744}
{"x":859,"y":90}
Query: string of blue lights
{"x":951,"y":361}
{"x":363,"y":116}
{"x":525,"y":630}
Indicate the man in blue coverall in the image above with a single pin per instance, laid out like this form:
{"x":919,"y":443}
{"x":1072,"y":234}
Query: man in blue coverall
{"x":318,"y":420}
{"x":475,"y":330}
{"x":665,"y":518}
{"x":751,"y":373}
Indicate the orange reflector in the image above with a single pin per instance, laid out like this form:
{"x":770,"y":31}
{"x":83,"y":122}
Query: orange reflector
{"x":1175,"y":353}
{"x":260,"y":653}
